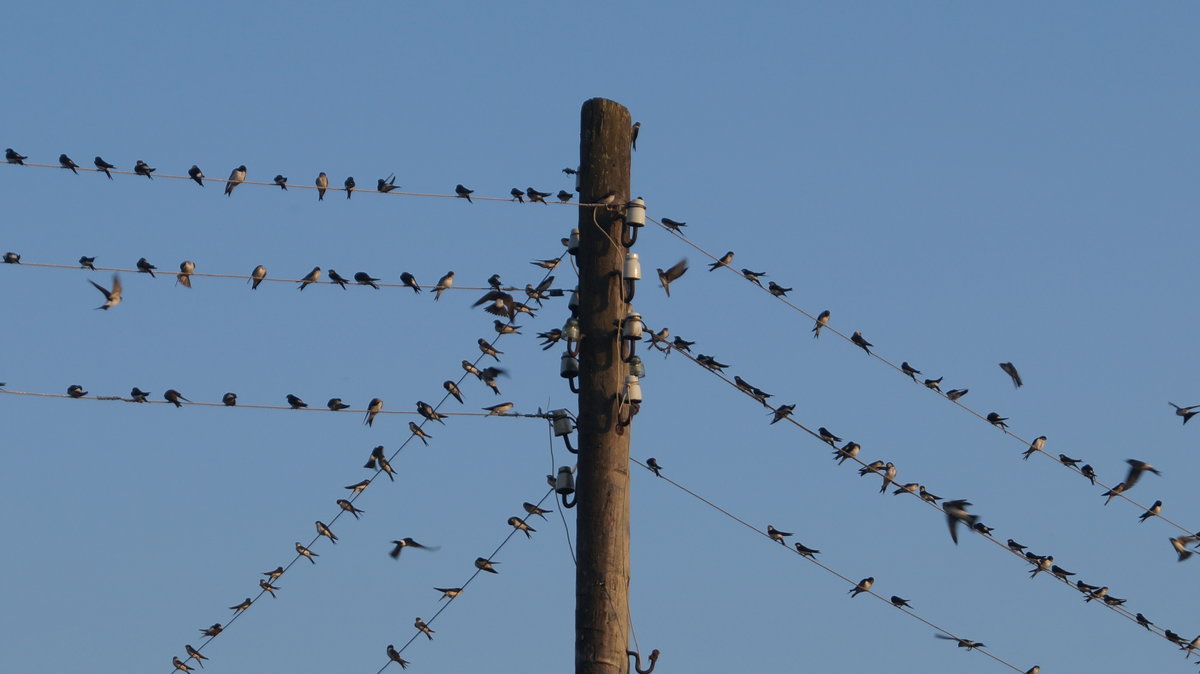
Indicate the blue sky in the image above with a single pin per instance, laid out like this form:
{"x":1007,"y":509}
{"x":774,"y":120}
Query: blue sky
{"x":965,"y":184}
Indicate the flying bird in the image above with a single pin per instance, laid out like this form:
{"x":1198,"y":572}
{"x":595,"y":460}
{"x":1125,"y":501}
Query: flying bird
{"x":65,"y":162}
{"x":196,"y":174}
{"x":322,"y":185}
{"x":362,"y":278}
{"x":676,"y":270}
{"x":1136,"y":468}
{"x":956,"y":511}
{"x":723,"y":262}
{"x":822,"y":321}
{"x":406,"y":543}
{"x":499,"y":303}
{"x":463,"y":192}
{"x":103,"y":166}
{"x":310,"y":277}
{"x":111,"y":297}
{"x":143,"y":169}
{"x":373,"y":408}
{"x":1011,"y":371}
{"x":1186,"y":412}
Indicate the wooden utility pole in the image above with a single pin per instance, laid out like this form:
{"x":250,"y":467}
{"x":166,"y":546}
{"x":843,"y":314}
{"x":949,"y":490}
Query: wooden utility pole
{"x":602,"y":514}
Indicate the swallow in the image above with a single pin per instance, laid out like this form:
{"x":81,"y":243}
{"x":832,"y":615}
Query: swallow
{"x":1180,"y":545}
{"x":394,"y":656}
{"x":385,"y":185}
{"x":143,"y":169}
{"x":195,"y":654}
{"x":449,"y":592}
{"x":564,"y":196}
{"x":242,"y":606}
{"x":323,"y":530}
{"x":1034,"y":447}
{"x":213,"y":630}
{"x":310,"y":277}
{"x":111,"y":297}
{"x":858,"y":339}
{"x":76,"y":391}
{"x":506,"y":328}
{"x":406,"y":543}
{"x":337,"y":278}
{"x":848,"y":451}
{"x":426,"y":410}
{"x":257,"y":276}
{"x":172,"y":396}
{"x":1015,"y":546}
{"x":956,"y":393}
{"x":145,"y":267}
{"x":1144,"y":621}
{"x":754,"y":276}
{"x":349,"y":186}
{"x":633,"y":135}
{"x":281,"y":181}
{"x":682,"y":345}
{"x":777,"y":535}
{"x":488,"y":349}
{"x":956,"y":511}
{"x":676,"y":270}
{"x":983,"y":528}
{"x":927,"y":496}
{"x":517,"y":194}
{"x":934,"y":384}
{"x":520,"y":525}
{"x":417,"y":431}
{"x":179,"y":664}
{"x":962,"y":643}
{"x":863,"y":585}
{"x":1041,"y":564}
{"x":822,"y":321}
{"x":674,"y":225}
{"x":536,"y":196}
{"x":827,"y":436}
{"x":488,"y":377}
{"x":471,"y":369}
{"x":889,"y":472}
{"x":420,"y":625}
{"x":909,"y":370}
{"x":86,"y":262}
{"x":306,"y":552}
{"x":1135,"y":471}
{"x":373,"y":408}
{"x":410,"y":281}
{"x":1193,"y":645}
{"x":1186,"y":412}
{"x":1113,"y":601}
{"x":758,"y":394}
{"x":230,"y":399}
{"x":1034,"y":670}
{"x":1060,"y":572}
{"x":547,"y":264}
{"x":997,"y":421}
{"x":1114,"y":492}
{"x":607,"y":199}
{"x":1011,"y":371}
{"x":778,"y":290}
{"x":452,"y":389}
{"x":65,"y":162}
{"x":138,"y":395}
{"x":1085,"y":588}
{"x":274,"y":574}
{"x":723,"y":262}
{"x":322,"y":185}
{"x":463,"y":193}
{"x":364,"y":278}
{"x":899,"y":602}
{"x":782,"y":412}
{"x":294,"y":402}
{"x":348,"y":506}
{"x":103,"y":166}
{"x":1068,"y":461}
{"x":1173,"y":637}
{"x":12,"y":258}
{"x":484,"y":564}
{"x":196,"y":174}
{"x":499,"y":303}
{"x":710,"y":362}
{"x":1154,"y":510}
{"x":806,"y":551}
{"x":14,"y":157}
{"x":502,"y":408}
{"x":1089,"y":473}
{"x":268,"y":587}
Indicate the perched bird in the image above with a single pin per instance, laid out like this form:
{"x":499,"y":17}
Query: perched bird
{"x":1136,"y":468}
{"x":927,"y":496}
{"x":488,"y":349}
{"x":420,"y":433}
{"x":452,"y":389}
{"x":502,"y":408}
{"x":782,"y":412}
{"x":1152,"y":511}
{"x":652,"y":464}
{"x":909,"y":370}
{"x":349,"y":186}
{"x":962,"y":643}
{"x":257,"y":276}
{"x":337,"y":278}
{"x":420,"y":625}
{"x":471,"y":369}
{"x":535,"y":510}
{"x":449,"y":592}
{"x":306,"y":552}
{"x":394,"y":656}
{"x":76,"y":391}
{"x":983,"y":528}
{"x":1143,"y":621}
{"x":889,"y":472}
{"x":103,"y":166}
{"x":861,"y":341}
{"x":827,"y":436}
{"x":673,"y":225}
{"x":863,"y":585}
{"x":494,"y":281}
{"x":1089,"y":473}
{"x":267,"y":586}
{"x":196,"y":174}
{"x":336,"y":405}
{"x":547,"y":264}
{"x":323,"y":530}
{"x":322,"y":185}
{"x":12,"y":258}
{"x":172,"y":396}
{"x":273,"y":574}
{"x":564,"y":196}
{"x":899,"y":602}
{"x":442,"y":284}
{"x":484,"y":564}
{"x":935,"y":384}
{"x":676,"y":270}
{"x":310,"y":277}
{"x":195,"y":654}
{"x":1011,"y":371}
{"x":758,"y":394}
{"x":754,"y":276}
{"x":65,"y":162}
{"x":1015,"y":546}
{"x":806,"y":551}
{"x":295,"y":402}
{"x":1068,"y":461}
{"x":184,"y":277}
{"x":536,"y":196}
{"x":777,"y":535}
{"x":111,"y":297}
{"x":1114,"y":492}
{"x":1034,"y":447}
{"x":710,"y":362}
{"x":633,"y":135}
{"x":138,"y":395}
{"x":956,"y":511}
{"x":723,"y":262}
{"x":517,"y":194}
{"x":956,"y":393}
{"x":1186,"y":412}
{"x":385,"y":185}
{"x":506,"y":328}
{"x":143,"y":169}
{"x":212,"y":630}
{"x":410,"y":281}
{"x":1059,"y":572}
{"x":1041,"y":564}
{"x":778,"y":290}
{"x":406,"y":543}
{"x":607,"y":199}
{"x":1173,"y":637}
{"x":463,"y":193}
{"x":14,"y":157}
{"x":520,"y":525}
{"x":426,"y":410}
{"x":242,"y":606}
{"x":362,"y":278}
{"x":822,"y":321}
{"x":179,"y":664}
{"x":281,"y":181}
{"x":373,"y":408}
{"x":144,"y":266}
{"x":347,"y":505}
{"x":230,"y":399}
{"x":87,"y":262}
{"x":997,"y":421}
{"x":848,"y":451}
{"x":681,"y":344}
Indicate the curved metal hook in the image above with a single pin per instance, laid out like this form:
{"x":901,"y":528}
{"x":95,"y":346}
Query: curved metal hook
{"x":567,"y":439}
{"x":574,"y":500}
{"x":637,"y":661}
{"x":571,"y":383}
{"x":628,"y":349}
{"x":629,"y":234}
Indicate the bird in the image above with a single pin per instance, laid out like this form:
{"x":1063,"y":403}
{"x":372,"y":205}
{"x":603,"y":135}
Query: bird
{"x":281,"y":181}
{"x":257,"y":276}
{"x":822,"y":321}
{"x":449,"y":592}
{"x":452,"y":389}
{"x":777,"y":535}
{"x":956,"y":393}
{"x":1034,"y":447}
{"x":335,"y":277}
{"x":983,"y":528}
{"x":463,"y":192}
{"x":347,"y":505}
{"x":754,"y":276}
{"x":394,"y":656}
{"x":499,"y":303}
{"x":420,"y":625}
{"x":195,"y":654}
{"x":1059,"y":572}
{"x":1041,"y":564}
{"x":1011,"y":371}
{"x":861,"y":341}
{"x":242,"y":606}
{"x":274,"y":573}
{"x":385,"y":185}
{"x":488,"y":349}
{"x":65,"y":162}
{"x":506,"y":328}
{"x":826,"y":435}
{"x":1136,"y":468}
{"x":488,"y":376}
{"x":502,"y":408}
{"x":362,"y":278}
{"x":517,"y":194}
{"x":323,"y":530}
{"x":410,"y":281}
{"x":14,"y":157}
{"x":103,"y":166}
{"x":398,"y":547}
{"x":848,"y":451}
{"x":349,"y":186}
{"x":722,"y":262}
{"x":138,"y":395}
{"x":673,"y":225}
{"x":172,"y":396}
{"x":535,"y":510}
{"x":322,"y":185}
{"x":111,"y":297}
{"x":1186,"y":412}
{"x":633,"y":135}
{"x":710,"y":362}
{"x":420,"y":433}
{"x":87,"y":262}
{"x":665,"y":277}
{"x":12,"y":258}
{"x":547,"y":264}
{"x":1143,"y":621}
{"x":899,"y":602}
{"x":909,"y":370}
{"x":997,"y":421}
{"x":607,"y":199}
{"x":1180,"y":545}
{"x":1114,"y":492}
{"x":442,"y":284}
{"x":179,"y":664}
{"x":1173,"y":637}
{"x":76,"y":391}
{"x":935,"y":384}
{"x":962,"y":643}
{"x":336,"y":405}
{"x":927,"y":496}
{"x":144,"y":266}
{"x":306,"y":552}
{"x":471,"y":369}
{"x":426,"y":410}
{"x":536,"y":196}
{"x":196,"y":174}
{"x":1089,"y":472}
{"x":484,"y":564}
{"x":230,"y":399}
{"x":494,"y":281}
{"x":564,"y":196}
{"x":184,"y":277}
{"x":889,"y":472}
{"x":652,"y":464}
{"x":863,"y":585}
{"x":212,"y":630}
{"x":267,"y":586}
{"x":806,"y":551}
{"x":1068,"y":461}
{"x":956,"y":511}
{"x":295,"y":402}
{"x":310,"y":277}
{"x":373,"y":408}
{"x":143,"y":169}
{"x":520,"y":525}
{"x":777,"y":290}
{"x":782,"y":412}
{"x":550,"y":338}
{"x":1015,"y":546}
{"x":757,"y":393}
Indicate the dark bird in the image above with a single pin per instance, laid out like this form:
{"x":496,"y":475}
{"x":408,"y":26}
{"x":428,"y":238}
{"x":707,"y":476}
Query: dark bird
{"x":1011,"y":371}
{"x":652,"y":464}
{"x":506,"y":328}
{"x":180,"y":665}
{"x":1114,"y":492}
{"x":778,"y":290}
{"x":212,"y":630}
{"x":909,"y":370}
{"x":1068,"y":461}
{"x":267,"y":586}
{"x":76,"y":391}
{"x":983,"y":528}
{"x":758,"y":394}
{"x":1034,"y":447}
{"x":502,"y":408}
{"x":274,"y":574}
{"x":384,"y":185}
{"x":305,"y":552}
{"x":806,"y":551}
{"x":535,"y":510}
{"x":138,"y":395}
{"x":777,"y":535}
{"x":394,"y":656}
{"x":322,"y":185}
{"x":520,"y":525}
{"x":1015,"y":546}
{"x":337,"y":278}
{"x":230,"y":399}
{"x":281,"y":181}
{"x":406,"y":543}
{"x":1089,"y":473}
{"x":373,"y":408}
{"x":673,"y":225}
{"x":323,"y":530}
{"x":362,"y":278}
{"x":1186,"y":412}
{"x":13,"y":157}
{"x":927,"y":496}
{"x":425,"y":629}
{"x":12,"y":258}
{"x":676,"y":270}
{"x":564,"y":196}
{"x":420,"y":433}
{"x":1059,"y":572}
{"x":195,"y":654}
{"x":196,"y":174}
{"x":426,"y":410}
{"x":488,"y":376}
{"x":1173,"y":637}
{"x":899,"y":602}
{"x":547,"y":264}
{"x":257,"y":276}
{"x":682,"y":344}
{"x":499,"y":303}
{"x":827,"y":436}
{"x":336,"y":405}
{"x":103,"y":166}
{"x":184,"y":277}
{"x":348,"y":506}
{"x":145,"y":267}
{"x":956,"y":393}
{"x":822,"y":321}
{"x":143,"y":169}
{"x":997,"y":421}
{"x":452,"y":389}
{"x":633,"y":135}
{"x":310,"y":277}
{"x":463,"y":192}
{"x":111,"y":297}
{"x":536,"y":196}
{"x":484,"y":564}
{"x":782,"y":412}
{"x":1136,"y":468}
{"x":935,"y":384}
{"x":962,"y":643}
{"x":172,"y":396}
{"x":87,"y":262}
{"x":494,"y":281}
{"x":1143,"y":621}
{"x":448,"y":592}
{"x":410,"y":281}
{"x":294,"y":402}
{"x":349,"y":186}
{"x":242,"y":606}
{"x":863,"y":585}
{"x":956,"y":511}
{"x":723,"y":262}
{"x":65,"y":162}
{"x":754,"y":276}
{"x":710,"y":362}
{"x":861,"y":341}
{"x":1152,"y":511}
